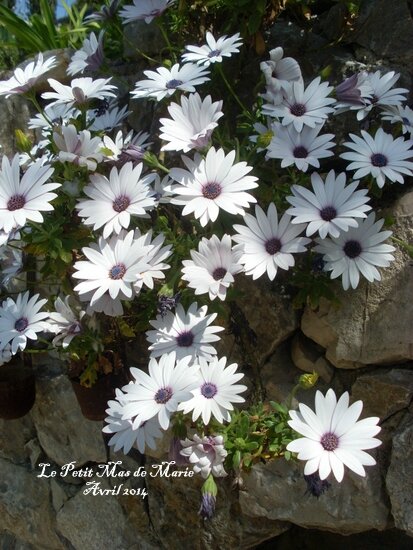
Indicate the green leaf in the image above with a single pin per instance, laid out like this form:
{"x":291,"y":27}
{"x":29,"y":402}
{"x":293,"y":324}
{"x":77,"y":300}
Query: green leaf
{"x":236,"y":460}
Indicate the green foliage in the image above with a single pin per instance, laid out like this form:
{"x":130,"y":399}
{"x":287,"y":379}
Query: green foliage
{"x":41,"y":32}
{"x":258,"y":433}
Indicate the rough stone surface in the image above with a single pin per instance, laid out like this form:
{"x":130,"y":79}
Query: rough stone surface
{"x":25,"y":507}
{"x":72,"y":437}
{"x":14,"y":434}
{"x":373,"y":323}
{"x":308,"y":357}
{"x":173,"y":504}
{"x":399,"y":478}
{"x":14,"y":114}
{"x":142,"y":37}
{"x":386,"y":32}
{"x":277,"y":490}
{"x":384,"y":394}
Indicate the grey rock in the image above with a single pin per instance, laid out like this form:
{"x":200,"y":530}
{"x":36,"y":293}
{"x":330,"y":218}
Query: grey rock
{"x":399,"y":478}
{"x":14,"y":115}
{"x":141,"y":37}
{"x":384,"y":394}
{"x":64,"y":434}
{"x":34,"y":451}
{"x":385,"y":30}
{"x":307,"y":356}
{"x":14,"y":434}
{"x":89,"y":522}
{"x":25,"y":507}
{"x":277,"y":491}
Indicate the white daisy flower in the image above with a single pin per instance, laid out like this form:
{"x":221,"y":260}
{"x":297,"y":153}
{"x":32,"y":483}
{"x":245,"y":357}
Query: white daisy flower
{"x":303,"y":106}
{"x":144,"y":9}
{"x":331,"y":207}
{"x":333,"y":437}
{"x":212,"y":183}
{"x":303,"y":148}
{"x":24,"y":199}
{"x":111,"y":267}
{"x":352,"y":93}
{"x":5,"y":355}
{"x":105,"y":304}
{"x":380,"y":92}
{"x":382,"y":156}
{"x":131,"y":148}
{"x":192,"y":123}
{"x":64,"y":322}
{"x":207,"y":454}
{"x":164,"y":82}
{"x":90,"y":56}
{"x":21,"y":320}
{"x":212,"y":267}
{"x":357,"y":251}
{"x":78,"y":148}
{"x":400,"y":114}
{"x":267,"y":244}
{"x":155,"y":258}
{"x":109,"y":119}
{"x":279,"y":71}
{"x":123,"y":435}
{"x":159,"y":393}
{"x":11,"y":264}
{"x":23,"y":80}
{"x":217,"y":389}
{"x":186,"y":333}
{"x":113,"y":201}
{"x":81,"y":91}
{"x":58,"y":115}
{"x":214,"y":50}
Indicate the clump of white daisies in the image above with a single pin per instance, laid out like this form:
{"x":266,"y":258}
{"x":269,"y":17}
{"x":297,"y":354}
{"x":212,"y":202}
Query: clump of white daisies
{"x":125,"y":204}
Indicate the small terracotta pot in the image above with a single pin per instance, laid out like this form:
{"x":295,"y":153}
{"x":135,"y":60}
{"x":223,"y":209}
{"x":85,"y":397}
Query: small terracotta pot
{"x":94,"y":401}
{"x":17,"y":390}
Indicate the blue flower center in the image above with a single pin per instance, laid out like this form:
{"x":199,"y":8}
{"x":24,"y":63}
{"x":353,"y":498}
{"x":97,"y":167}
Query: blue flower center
{"x":21,"y":324}
{"x":406,"y":121}
{"x":209,"y":390}
{"x":272,"y":246}
{"x":352,"y":249}
{"x":16,"y":202}
{"x":172,"y":84}
{"x":300,"y":152}
{"x":163,"y":395}
{"x":328,"y":213}
{"x":298,"y":109}
{"x":219,"y":273}
{"x":117,"y":272}
{"x":379,"y":160}
{"x":329,"y":441}
{"x":211,"y":190}
{"x":120,"y":203}
{"x":214,"y":53}
{"x":185,"y":339}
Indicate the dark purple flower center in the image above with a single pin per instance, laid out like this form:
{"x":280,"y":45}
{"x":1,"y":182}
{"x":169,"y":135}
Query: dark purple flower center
{"x":219,"y":273}
{"x":163,"y":395}
{"x":379,"y":160}
{"x":79,"y":95}
{"x":300,"y":152}
{"x":329,"y":441}
{"x":117,"y":272}
{"x":352,"y":249}
{"x":328,"y":213}
{"x":102,"y":107}
{"x":75,"y":328}
{"x":174,"y":83}
{"x":16,"y":202}
{"x":185,"y":339}
{"x":272,"y":246}
{"x":406,"y":121}
{"x":374,"y":99}
{"x":120,"y":203}
{"x":211,"y":190}
{"x":298,"y":109}
{"x":209,"y":390}
{"x":21,"y":324}
{"x":214,"y":53}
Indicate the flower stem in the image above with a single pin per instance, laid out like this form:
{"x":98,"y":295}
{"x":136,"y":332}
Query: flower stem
{"x":233,"y":93}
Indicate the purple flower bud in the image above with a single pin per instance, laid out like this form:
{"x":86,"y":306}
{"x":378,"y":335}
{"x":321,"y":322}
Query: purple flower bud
{"x":316,"y":486}
{"x":348,"y":91}
{"x":207,"y":509}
